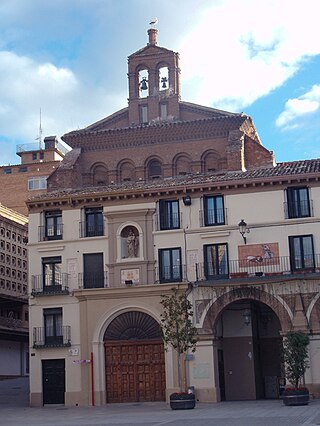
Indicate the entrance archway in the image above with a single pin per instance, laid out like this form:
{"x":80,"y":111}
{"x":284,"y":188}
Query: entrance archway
{"x":249,"y":349}
{"x":134,"y":356}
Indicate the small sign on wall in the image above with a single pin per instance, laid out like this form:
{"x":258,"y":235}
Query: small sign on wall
{"x":130,"y":276}
{"x":201,"y":371}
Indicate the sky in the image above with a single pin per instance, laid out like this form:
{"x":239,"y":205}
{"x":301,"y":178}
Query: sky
{"x":68,"y":58}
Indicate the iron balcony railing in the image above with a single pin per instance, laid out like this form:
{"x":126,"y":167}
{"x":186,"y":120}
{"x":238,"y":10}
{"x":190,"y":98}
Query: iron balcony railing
{"x":295,"y":210}
{"x":48,"y":233}
{"x":257,"y":266}
{"x":50,"y":284}
{"x":47,"y":337}
{"x":93,"y":280}
{"x":166,"y":221}
{"x":86,"y":230}
{"x":40,"y":146}
{"x":170,"y":274}
{"x":213,"y":217}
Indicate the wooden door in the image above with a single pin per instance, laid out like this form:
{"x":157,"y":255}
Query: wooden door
{"x":135,"y":371}
{"x":53,"y":381}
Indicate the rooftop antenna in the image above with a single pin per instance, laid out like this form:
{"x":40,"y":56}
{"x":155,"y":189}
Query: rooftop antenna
{"x":39,"y":138}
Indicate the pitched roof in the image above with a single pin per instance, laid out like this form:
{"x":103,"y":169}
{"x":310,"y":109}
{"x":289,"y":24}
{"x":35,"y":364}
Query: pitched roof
{"x":286,"y":170}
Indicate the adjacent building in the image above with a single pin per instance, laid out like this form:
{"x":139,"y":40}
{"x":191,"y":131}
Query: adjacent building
{"x":20,"y":181}
{"x":14,"y":327}
{"x":161,"y":194}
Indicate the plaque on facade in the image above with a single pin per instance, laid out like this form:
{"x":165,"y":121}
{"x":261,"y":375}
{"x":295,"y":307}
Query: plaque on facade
{"x":130,"y":276}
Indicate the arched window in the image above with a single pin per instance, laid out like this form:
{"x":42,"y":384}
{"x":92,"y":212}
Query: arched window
{"x":100,"y":175}
{"x":154,"y":169}
{"x":127,"y":172}
{"x":210,"y":162}
{"x":182,"y":165}
{"x":163,"y":78}
{"x":143,"y":78}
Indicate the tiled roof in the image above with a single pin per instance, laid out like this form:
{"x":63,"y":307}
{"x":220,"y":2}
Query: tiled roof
{"x":287,"y":170}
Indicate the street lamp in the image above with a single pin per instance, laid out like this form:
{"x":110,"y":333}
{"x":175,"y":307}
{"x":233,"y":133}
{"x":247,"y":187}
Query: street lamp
{"x":243,"y":230}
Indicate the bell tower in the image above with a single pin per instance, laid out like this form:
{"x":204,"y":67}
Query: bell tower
{"x":154,"y":83}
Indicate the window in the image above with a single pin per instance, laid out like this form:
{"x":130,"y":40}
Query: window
{"x":163,"y":111}
{"x":41,"y":155}
{"x":298,"y":203}
{"x":34,"y":156}
{"x":216,"y":261}
{"x":169,"y":214}
{"x":93,"y":276}
{"x":23,"y":169}
{"x":170,"y":268}
{"x":154,"y":169}
{"x":301,"y":252}
{"x":39,"y":182}
{"x":53,"y":326}
{"x":93,"y":222}
{"x":213,"y":210}
{"x":52,"y":276}
{"x":144,"y":114}
{"x":53,"y":225}
{"x":7,"y":171}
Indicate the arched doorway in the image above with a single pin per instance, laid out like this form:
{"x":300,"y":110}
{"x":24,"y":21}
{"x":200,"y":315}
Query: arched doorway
{"x":134,"y":356}
{"x":249,"y":351}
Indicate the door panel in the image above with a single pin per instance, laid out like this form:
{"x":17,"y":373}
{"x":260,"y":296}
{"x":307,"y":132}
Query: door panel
{"x":53,"y":381}
{"x":135,"y":371}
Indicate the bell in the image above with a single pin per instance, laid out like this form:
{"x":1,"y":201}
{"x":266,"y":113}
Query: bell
{"x":144,"y":85}
{"x":164,"y":82}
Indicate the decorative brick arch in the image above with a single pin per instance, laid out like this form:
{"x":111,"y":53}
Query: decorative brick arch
{"x":248,"y":293}
{"x":314,"y":314}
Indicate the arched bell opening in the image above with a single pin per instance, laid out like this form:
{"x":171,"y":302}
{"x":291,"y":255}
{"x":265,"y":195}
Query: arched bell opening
{"x":249,"y":351}
{"x":134,"y":356}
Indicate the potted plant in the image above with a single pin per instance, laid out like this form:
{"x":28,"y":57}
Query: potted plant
{"x":179,"y":333}
{"x":296,"y":362}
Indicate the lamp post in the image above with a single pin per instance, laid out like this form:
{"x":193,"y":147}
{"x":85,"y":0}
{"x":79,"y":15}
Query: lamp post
{"x":243,"y":230}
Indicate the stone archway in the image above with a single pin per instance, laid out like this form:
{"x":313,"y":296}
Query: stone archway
{"x":134,"y":356}
{"x":247,"y":325}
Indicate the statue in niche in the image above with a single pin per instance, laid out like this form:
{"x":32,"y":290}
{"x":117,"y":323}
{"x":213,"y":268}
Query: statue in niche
{"x":132,"y":244}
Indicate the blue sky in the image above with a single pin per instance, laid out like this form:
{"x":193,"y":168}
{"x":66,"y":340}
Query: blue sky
{"x":69,"y":58}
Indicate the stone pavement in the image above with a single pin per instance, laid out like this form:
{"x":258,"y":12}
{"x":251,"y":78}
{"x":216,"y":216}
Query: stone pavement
{"x":14,"y":411}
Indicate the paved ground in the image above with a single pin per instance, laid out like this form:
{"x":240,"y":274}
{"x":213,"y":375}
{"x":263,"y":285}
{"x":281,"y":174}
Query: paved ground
{"x":14,"y":411}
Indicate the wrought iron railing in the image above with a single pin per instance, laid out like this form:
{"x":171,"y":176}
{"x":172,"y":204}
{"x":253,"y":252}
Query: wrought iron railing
{"x":166,"y":221}
{"x":45,"y":337}
{"x":48,"y":233}
{"x":171,"y":274}
{"x":50,"y":284}
{"x":86,"y":230}
{"x":294,"y":210}
{"x":213,"y":217}
{"x":93,"y":280}
{"x":257,"y":266}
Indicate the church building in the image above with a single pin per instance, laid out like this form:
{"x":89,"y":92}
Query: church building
{"x":168,"y":194}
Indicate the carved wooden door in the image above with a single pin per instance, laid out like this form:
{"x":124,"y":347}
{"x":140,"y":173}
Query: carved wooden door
{"x":135,"y":371}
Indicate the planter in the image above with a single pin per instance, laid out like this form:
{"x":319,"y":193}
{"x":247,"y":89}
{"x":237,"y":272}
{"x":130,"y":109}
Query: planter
{"x":182,"y":401}
{"x":295,"y":397}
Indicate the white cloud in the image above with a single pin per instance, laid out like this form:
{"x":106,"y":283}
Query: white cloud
{"x":26,"y":86}
{"x":240,"y":51}
{"x":299,"y":107}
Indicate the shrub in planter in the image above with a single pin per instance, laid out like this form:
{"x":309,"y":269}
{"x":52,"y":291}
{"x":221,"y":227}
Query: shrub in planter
{"x":296,"y":362}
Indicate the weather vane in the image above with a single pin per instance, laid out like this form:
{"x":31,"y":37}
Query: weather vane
{"x":153,"y":22}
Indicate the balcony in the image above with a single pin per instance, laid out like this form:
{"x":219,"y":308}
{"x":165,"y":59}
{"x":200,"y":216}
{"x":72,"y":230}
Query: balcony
{"x":166,"y":222}
{"x":45,"y":338}
{"x":212,"y":217}
{"x":46,"y":285}
{"x":303,"y":208}
{"x":87,"y":230}
{"x":93,"y":280}
{"x":171,"y":274}
{"x":50,"y":233}
{"x":258,"y":268}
